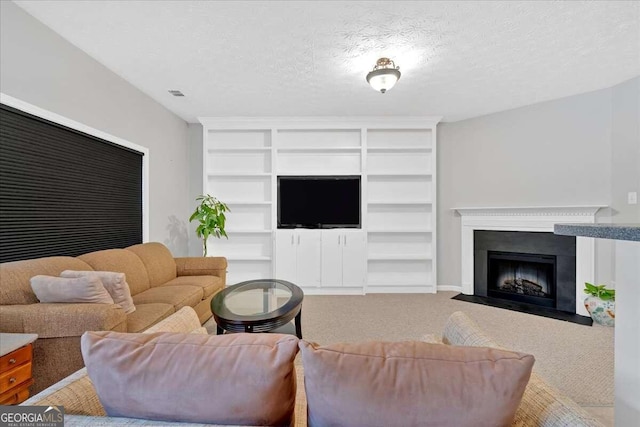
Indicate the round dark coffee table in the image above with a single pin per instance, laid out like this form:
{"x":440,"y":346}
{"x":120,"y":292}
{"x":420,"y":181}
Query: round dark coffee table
{"x":261,"y":305}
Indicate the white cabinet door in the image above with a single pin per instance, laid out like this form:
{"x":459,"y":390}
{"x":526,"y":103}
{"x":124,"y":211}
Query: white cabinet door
{"x":354,"y":251}
{"x":286,"y":259}
{"x":309,"y":252}
{"x":332,"y":258}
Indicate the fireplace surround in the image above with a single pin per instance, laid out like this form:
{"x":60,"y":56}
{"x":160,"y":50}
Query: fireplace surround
{"x":533,"y":269}
{"x":529,"y":219}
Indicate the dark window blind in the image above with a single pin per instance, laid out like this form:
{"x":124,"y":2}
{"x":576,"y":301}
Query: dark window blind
{"x":63,"y":192}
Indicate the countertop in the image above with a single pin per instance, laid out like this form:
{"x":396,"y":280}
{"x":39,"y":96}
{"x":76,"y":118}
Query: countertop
{"x":11,"y":342}
{"x":600,"y":231}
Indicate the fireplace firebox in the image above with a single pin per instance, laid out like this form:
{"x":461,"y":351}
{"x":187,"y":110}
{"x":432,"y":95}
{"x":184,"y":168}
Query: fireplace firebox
{"x":522,"y":277}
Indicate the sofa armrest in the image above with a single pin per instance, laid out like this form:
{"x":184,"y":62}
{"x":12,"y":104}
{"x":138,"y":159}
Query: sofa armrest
{"x":461,"y":330}
{"x":542,"y":405}
{"x":202,"y":266}
{"x":545,"y":406}
{"x":75,"y":392}
{"x":59,"y":319}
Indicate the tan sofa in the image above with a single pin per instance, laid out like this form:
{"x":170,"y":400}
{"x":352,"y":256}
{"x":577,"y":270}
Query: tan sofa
{"x":160,"y":285}
{"x":541,"y":406}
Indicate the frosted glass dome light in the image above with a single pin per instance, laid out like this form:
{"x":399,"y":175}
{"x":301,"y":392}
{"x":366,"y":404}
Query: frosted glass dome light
{"x":384,"y":75}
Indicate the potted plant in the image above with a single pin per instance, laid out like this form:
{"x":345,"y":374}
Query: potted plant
{"x":210,"y":215}
{"x":601,"y":304}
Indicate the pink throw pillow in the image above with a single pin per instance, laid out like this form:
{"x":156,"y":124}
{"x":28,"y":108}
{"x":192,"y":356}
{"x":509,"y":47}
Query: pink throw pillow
{"x":236,"y":379}
{"x":412,"y":384}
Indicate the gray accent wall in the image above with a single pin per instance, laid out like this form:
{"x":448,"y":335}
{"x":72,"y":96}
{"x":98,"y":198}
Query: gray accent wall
{"x":40,"y":67}
{"x":578,"y":150}
{"x":625,"y":148}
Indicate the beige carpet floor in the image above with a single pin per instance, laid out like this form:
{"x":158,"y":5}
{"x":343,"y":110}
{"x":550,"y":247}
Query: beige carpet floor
{"x":576,"y":359}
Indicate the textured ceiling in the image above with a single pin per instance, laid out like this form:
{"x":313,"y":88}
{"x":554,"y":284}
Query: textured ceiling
{"x":458,"y":59}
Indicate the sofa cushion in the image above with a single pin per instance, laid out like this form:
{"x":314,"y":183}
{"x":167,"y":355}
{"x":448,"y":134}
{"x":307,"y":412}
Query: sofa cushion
{"x":115,"y":283}
{"x":87,"y":289}
{"x":235,"y":379}
{"x":184,"y":321}
{"x":429,"y":384}
{"x":15,"y":287}
{"x":122,"y":261}
{"x":201,"y":266}
{"x":157,"y":259}
{"x":147,"y":315}
{"x":209,"y":284}
{"x":178,"y":296}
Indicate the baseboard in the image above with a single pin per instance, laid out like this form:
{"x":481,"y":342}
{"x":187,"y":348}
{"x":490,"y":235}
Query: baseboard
{"x":333,"y":291}
{"x":401,"y":290}
{"x":450,"y":288}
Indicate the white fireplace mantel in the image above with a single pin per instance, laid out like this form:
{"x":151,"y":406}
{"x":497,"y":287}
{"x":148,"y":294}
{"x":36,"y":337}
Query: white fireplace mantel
{"x":529,"y":218}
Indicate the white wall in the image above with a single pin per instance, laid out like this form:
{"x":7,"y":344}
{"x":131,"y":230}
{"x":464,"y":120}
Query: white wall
{"x":552,"y":153}
{"x":625,"y":138}
{"x":195,"y":183}
{"x":41,"y":68}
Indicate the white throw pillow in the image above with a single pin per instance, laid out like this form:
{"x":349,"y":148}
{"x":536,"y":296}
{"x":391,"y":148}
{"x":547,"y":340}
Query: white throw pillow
{"x":115,"y":283}
{"x":89,"y":289}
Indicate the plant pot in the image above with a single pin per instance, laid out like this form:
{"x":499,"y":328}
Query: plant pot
{"x":602,"y":312}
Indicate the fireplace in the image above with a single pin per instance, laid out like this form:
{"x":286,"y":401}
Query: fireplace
{"x":528,"y":278}
{"x":532,"y":272}
{"x":575,"y":259}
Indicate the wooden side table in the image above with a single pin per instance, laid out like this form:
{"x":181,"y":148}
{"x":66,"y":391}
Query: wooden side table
{"x":16,"y":353}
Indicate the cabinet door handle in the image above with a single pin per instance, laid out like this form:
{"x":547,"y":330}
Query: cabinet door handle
{"x":338,"y":239}
{"x":292,"y":239}
{"x":298,"y":239}
{"x":12,"y":380}
{"x":345,"y":240}
{"x":12,"y":361}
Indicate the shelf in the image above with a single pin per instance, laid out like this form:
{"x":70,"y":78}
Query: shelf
{"x":249,"y":231}
{"x":399,"y":257}
{"x":239,"y":149}
{"x":400,"y":174}
{"x":405,"y":149}
{"x":234,"y":175}
{"x":376,"y":283}
{"x":247,"y":203}
{"x":408,"y":202}
{"x":327,"y":149}
{"x":395,"y":160}
{"x":402,"y":230}
{"x":247,"y":258}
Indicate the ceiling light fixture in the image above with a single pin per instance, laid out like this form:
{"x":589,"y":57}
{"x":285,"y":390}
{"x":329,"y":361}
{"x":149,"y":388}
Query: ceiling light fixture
{"x":384,"y":75}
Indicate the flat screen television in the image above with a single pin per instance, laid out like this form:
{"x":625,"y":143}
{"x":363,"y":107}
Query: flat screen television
{"x":318,"y":202}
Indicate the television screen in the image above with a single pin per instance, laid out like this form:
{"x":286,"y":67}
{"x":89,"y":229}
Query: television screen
{"x":318,"y":202}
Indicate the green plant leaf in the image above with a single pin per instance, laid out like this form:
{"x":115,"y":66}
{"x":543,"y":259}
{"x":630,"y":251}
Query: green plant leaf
{"x":599,"y":291}
{"x":209,"y":213}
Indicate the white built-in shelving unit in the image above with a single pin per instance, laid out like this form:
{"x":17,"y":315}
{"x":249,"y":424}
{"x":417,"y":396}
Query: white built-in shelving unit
{"x":394,"y":251}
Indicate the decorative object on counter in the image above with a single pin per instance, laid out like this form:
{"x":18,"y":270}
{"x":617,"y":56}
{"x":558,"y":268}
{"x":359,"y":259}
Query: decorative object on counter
{"x":210,"y":214}
{"x":601,"y":304}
